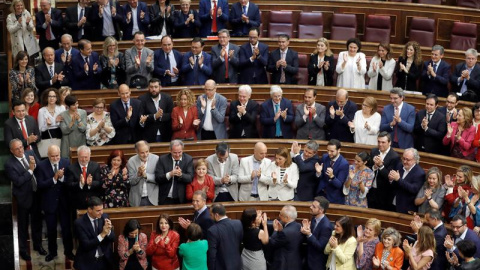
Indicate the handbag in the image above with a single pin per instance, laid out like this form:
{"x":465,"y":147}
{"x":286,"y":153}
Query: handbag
{"x":45,"y":143}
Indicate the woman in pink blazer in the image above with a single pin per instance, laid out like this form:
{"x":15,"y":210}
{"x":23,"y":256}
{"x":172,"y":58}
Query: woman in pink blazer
{"x":185,"y":117}
{"x":460,"y":135}
{"x":132,"y":245}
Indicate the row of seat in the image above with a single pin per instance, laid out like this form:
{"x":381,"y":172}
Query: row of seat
{"x":460,"y":3}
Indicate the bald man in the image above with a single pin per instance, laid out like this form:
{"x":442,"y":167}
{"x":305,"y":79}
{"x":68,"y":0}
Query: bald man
{"x":211,"y":108}
{"x":250,"y":174}
{"x":339,"y":113}
{"x":49,"y":73}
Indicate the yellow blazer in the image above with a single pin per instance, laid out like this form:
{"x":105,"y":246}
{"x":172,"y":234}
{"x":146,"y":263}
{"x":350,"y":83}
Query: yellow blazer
{"x":343,"y":254}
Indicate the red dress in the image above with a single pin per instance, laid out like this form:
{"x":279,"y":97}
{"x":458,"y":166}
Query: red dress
{"x":164,"y":256}
{"x":194,"y":186}
{"x":450,"y":199}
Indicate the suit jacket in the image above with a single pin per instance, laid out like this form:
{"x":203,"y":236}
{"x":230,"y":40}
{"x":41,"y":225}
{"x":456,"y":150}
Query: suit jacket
{"x":316,"y":258}
{"x":439,"y":84}
{"x":307,"y":183}
{"x":205,"y":221}
{"x":97,"y":21}
{"x":267,"y":114}
{"x":218,"y":116}
{"x":240,"y":28}
{"x":67,"y":66}
{"x":187,"y":130}
{"x":384,"y":192}
{"x":281,"y":190}
{"x":313,"y":129}
{"x":444,"y":111}
{"x":55,"y":25}
{"x":253,"y":72}
{"x":143,"y":70}
{"x":430,"y":140}
{"x":290,"y":70}
{"x":142,"y":23}
{"x":202,"y":74}
{"x":313,"y":70}
{"x":79,"y":196}
{"x":13,"y":130}
{"x":472,"y":84}
{"x":440,"y":259}
{"x":408,"y":81}
{"x":136,"y":182}
{"x":337,"y":128}
{"x":231,"y":168}
{"x":164,"y":123}
{"x":88,"y":242}
{"x":71,"y":23}
{"x":406,"y":189}
{"x":83,"y":80}
{"x":164,"y":166}
{"x":332,"y":189}
{"x":126,"y":131}
{"x":54,"y":195}
{"x":286,"y":245}
{"x":245,"y":179}
{"x":471,"y":236}
{"x":206,"y":20}
{"x":43,"y":78}
{"x":186,"y":31}
{"x":224,"y":239}
{"x":218,"y":65}
{"x":246,"y":123}
{"x":162,"y":64}
{"x":157,"y":20}
{"x":404,"y":128}
{"x":21,"y":179}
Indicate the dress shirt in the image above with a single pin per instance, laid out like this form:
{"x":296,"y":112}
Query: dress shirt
{"x":173,"y":63}
{"x":223,"y":187}
{"x":305,"y":116}
{"x":79,"y":10}
{"x":222,"y":57}
{"x":144,"y":186}
{"x":169,"y":176}
{"x":20,"y":124}
{"x":81,"y":171}
{"x":53,"y":169}
{"x":99,"y":237}
{"x":44,"y":25}
{"x":28,"y":161}
{"x":207,"y":124}
{"x":108,"y":29}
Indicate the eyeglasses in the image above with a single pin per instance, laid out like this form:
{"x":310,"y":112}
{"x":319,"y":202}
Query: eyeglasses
{"x":458,"y":227}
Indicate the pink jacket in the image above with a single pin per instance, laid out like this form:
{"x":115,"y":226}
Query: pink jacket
{"x":465,"y":141}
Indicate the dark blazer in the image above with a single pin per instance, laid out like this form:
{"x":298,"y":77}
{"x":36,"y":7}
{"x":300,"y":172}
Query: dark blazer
{"x":186,"y":31}
{"x":246,"y":123}
{"x":313,"y":70}
{"x":120,"y":73}
{"x":240,"y":28}
{"x":381,"y":197}
{"x":67,"y":66}
{"x":316,"y":258}
{"x":440,"y":259}
{"x":205,"y":221}
{"x":291,"y":69}
{"x":157,"y":21}
{"x":253,"y":72}
{"x":224,"y":239}
{"x":126,"y":131}
{"x":404,"y":128}
{"x":286,"y":245}
{"x":161,"y":64}
{"x":71,"y":23}
{"x":430,"y":140}
{"x":406,"y":189}
{"x":13,"y":130}
{"x":54,"y":196}
{"x":97,"y":22}
{"x":439,"y":84}
{"x":188,"y":72}
{"x":59,"y":52}
{"x":332,"y":189}
{"x":42,"y":76}
{"x":444,"y":111}
{"x":164,"y":166}
{"x":79,"y":196}
{"x":407,"y":81}
{"x":21,"y":179}
{"x":337,"y":128}
{"x":142,"y":23}
{"x":164,"y":124}
{"x":218,"y":66}
{"x":471,"y":236}
{"x":472,"y":84}
{"x":88,"y":242}
{"x":204,"y":13}
{"x":56,"y":26}
{"x":86,"y":81}
{"x":267,"y":114}
{"x":307,"y":181}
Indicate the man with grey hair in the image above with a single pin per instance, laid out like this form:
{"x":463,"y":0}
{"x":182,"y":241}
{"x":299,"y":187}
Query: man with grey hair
{"x":436,"y":74}
{"x":141,"y":173}
{"x":65,"y":54}
{"x":310,"y":117}
{"x":225,"y":59}
{"x":223,"y":168}
{"x":49,"y":73}
{"x":253,"y":185}
{"x":201,"y":216}
{"x":276,"y":115}
{"x":398,"y":118}
{"x":341,"y":111}
{"x":48,"y":25}
{"x":287,"y":240}
{"x":306,"y":160}
{"x":406,"y":181}
{"x":467,"y":76}
{"x":243,"y":115}
{"x":173,"y":172}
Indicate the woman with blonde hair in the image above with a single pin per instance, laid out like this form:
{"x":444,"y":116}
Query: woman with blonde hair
{"x":320,"y":67}
{"x":367,"y":240}
{"x":113,"y":64}
{"x":282,"y":176}
{"x":366,"y":122}
{"x":420,"y":255}
{"x":381,"y":69}
{"x":432,"y":193}
{"x":470,"y":204}
{"x":460,"y":135}
{"x":201,"y":181}
{"x":185,"y":120}
{"x":20,"y":25}
{"x":387,"y":253}
{"x":409,"y":66}
{"x":460,"y":181}
{"x":63,"y":92}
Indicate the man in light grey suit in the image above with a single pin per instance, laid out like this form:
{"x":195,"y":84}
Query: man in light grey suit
{"x":250,"y":175}
{"x":225,"y":57}
{"x":223,"y":167}
{"x":141,"y":172}
{"x":139,"y":62}
{"x":211,"y":108}
{"x":310,"y":117}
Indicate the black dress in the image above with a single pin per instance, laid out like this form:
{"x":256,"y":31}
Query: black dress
{"x":252,"y":254}
{"x":132,"y":263}
{"x":407,"y":81}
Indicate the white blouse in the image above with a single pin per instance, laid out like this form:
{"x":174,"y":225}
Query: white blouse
{"x":362,"y":135}
{"x":350,"y":76}
{"x":44,"y":114}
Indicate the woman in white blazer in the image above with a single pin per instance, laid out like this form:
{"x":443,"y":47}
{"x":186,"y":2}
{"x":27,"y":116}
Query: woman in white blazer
{"x":282,"y":177}
{"x":381,"y":69}
{"x":352,"y":66}
{"x":20,"y":25}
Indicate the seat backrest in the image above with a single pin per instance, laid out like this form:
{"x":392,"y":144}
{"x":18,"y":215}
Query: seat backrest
{"x":310,"y":25}
{"x":430,"y":2}
{"x":344,"y":26}
{"x":405,"y":1}
{"x":464,"y":36}
{"x":422,"y":30}
{"x":468,"y":3}
{"x":377,"y":28}
{"x":302,"y":75}
{"x":260,"y":27}
{"x":281,"y":22}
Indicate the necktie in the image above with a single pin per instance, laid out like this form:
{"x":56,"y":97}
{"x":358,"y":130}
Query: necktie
{"x":395,"y":137}
{"x":55,"y":168}
{"x":140,"y":55}
{"x":97,"y":232}
{"x":278,"y":130}
{"x":79,"y":35}
{"x":340,"y":108}
{"x":214,"y":19}
{"x":434,"y":67}
{"x":48,"y":31}
{"x":195,"y":216}
{"x":195,"y":71}
{"x":226,"y":63}
{"x":34,"y":180}
{"x":313,"y":225}
{"x":50,"y":70}
{"x":310,"y":121}
{"x":245,"y":10}
{"x":332,"y":162}
{"x":66,"y":56}
{"x":174,"y":190}
{"x":282,"y":70}
{"x":86,"y":60}
{"x":84,"y":173}
{"x":464,"y":84}
{"x":126,"y":107}
{"x":24,"y":130}
{"x":169,"y":65}
{"x":429,"y":117}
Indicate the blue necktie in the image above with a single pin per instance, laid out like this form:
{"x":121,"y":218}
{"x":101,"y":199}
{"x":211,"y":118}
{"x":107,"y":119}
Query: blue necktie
{"x":278,"y":129}
{"x":79,"y":35}
{"x":313,"y":224}
{"x":464,"y":84}
{"x":245,"y":10}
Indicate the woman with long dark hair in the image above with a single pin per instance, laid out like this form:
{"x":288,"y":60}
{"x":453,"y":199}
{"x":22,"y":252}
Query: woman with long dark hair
{"x":420,"y":255}
{"x":283,"y":176}
{"x":161,"y":18}
{"x":342,"y":245}
{"x":21,"y":76}
{"x":163,"y":245}
{"x":352,"y":66}
{"x":381,"y":69}
{"x":255,"y":235}
{"x":114,"y":177}
{"x":131,"y":247}
{"x":409,"y":66}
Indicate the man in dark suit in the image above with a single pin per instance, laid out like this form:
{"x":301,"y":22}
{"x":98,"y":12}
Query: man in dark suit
{"x":244,"y":16}
{"x":306,"y":160}
{"x":406,"y":181}
{"x":430,"y":127}
{"x":201,"y":216}
{"x":449,"y":110}
{"x":86,"y":68}
{"x":23,"y":127}
{"x":166,"y":63}
{"x":77,"y":20}
{"x":50,"y":73}
{"x":467,"y":76}
{"x":436,"y":74}
{"x":174,"y":171}
{"x":243,"y":115}
{"x":341,"y":111}
{"x":136,"y":18}
{"x":384,"y":159}
{"x":224,"y":239}
{"x":461,"y":232}
{"x":310,"y":117}
{"x":19,"y":170}
{"x":283,"y":62}
{"x":49,"y":25}
{"x":318,"y":232}
{"x":156,"y":113}
{"x":196,"y":64}
{"x":332,"y":173}
{"x":276,"y":115}
{"x":107,"y":19}
{"x":50,"y":175}
{"x":217,"y":9}
{"x":125,"y":113}
{"x":225,"y":59}
{"x":95,"y":236}
{"x":253,"y":60}
{"x":286,"y":240}
{"x":64,"y":56}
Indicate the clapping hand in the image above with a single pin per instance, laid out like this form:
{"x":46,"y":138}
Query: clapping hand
{"x":318,"y":167}
{"x":305,"y":229}
{"x":449,"y":181}
{"x":333,"y":241}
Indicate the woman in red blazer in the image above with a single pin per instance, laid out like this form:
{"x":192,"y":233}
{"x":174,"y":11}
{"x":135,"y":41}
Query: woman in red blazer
{"x":387,"y":253}
{"x":460,"y":135}
{"x":163,"y":245}
{"x":185,"y":120}
{"x":131,"y":247}
{"x":201,"y":181}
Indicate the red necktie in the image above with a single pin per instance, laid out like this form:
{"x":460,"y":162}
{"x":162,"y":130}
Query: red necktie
{"x":226,"y":63}
{"x":24,"y":132}
{"x":214,"y":19}
{"x":140,"y":55}
{"x":48,"y":32}
{"x":84,"y":172}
